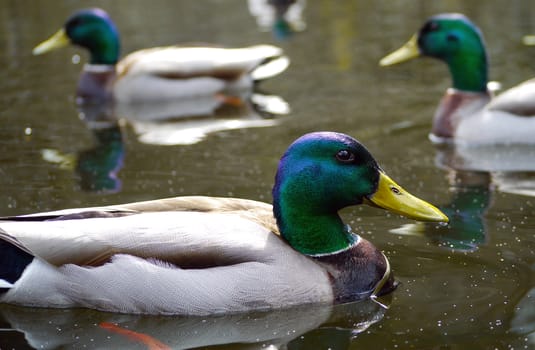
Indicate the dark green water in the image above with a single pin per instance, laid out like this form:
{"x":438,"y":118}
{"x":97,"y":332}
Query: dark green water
{"x":466,"y":286}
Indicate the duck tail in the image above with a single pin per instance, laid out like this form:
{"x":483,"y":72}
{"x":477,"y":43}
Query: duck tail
{"x":14,"y":258}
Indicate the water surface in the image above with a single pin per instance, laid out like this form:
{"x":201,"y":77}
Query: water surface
{"x":468,"y":285}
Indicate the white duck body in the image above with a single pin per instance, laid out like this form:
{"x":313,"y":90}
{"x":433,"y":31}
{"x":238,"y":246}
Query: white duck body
{"x":159,"y":73}
{"x":176,"y":72}
{"x":474,"y":119}
{"x":509,"y":118}
{"x":228,"y":264}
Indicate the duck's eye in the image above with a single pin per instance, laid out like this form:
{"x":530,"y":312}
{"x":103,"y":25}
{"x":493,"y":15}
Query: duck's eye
{"x":75,"y":22}
{"x":345,"y":156}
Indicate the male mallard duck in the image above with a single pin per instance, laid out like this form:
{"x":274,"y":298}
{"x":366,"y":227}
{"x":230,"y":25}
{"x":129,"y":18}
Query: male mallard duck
{"x":466,"y":113}
{"x":201,"y":255}
{"x":159,"y":73}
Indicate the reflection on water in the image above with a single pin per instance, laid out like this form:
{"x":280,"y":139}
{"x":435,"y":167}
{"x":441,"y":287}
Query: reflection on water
{"x":295,"y":328}
{"x":178,"y":122}
{"x":523,"y":321}
{"x":474,"y":173}
{"x":489,"y":158}
{"x":522,"y":183}
{"x":471,"y":196}
{"x":97,"y":167}
{"x":511,"y":167}
{"x":188,"y":121}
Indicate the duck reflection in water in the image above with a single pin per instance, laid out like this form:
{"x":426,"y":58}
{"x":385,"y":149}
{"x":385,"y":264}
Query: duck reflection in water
{"x":188,"y":121}
{"x":99,"y":166}
{"x":466,"y":230}
{"x":295,"y":328}
{"x":511,"y":167}
{"x":474,"y":174}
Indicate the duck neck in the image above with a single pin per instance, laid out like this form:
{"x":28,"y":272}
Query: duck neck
{"x":105,"y":51}
{"x":469,"y":71}
{"x":311,"y":232}
{"x":95,"y":83}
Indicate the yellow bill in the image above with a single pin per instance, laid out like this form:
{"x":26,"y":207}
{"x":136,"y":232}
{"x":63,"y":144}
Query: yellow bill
{"x":392,"y":197}
{"x":406,"y":52}
{"x":56,"y":41}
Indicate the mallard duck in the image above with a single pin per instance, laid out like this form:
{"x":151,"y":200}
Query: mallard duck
{"x":159,"y":73}
{"x":467,"y":113}
{"x":203,"y":255}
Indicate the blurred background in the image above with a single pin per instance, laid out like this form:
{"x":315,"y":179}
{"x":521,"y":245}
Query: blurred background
{"x":469,"y":282}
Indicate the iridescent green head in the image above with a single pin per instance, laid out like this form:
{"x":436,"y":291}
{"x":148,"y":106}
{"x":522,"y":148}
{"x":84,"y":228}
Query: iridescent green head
{"x":454,"y":39}
{"x":320,"y":174}
{"x":92,"y":29}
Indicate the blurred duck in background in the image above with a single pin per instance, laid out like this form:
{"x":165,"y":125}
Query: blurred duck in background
{"x":476,"y":131}
{"x":159,"y":73}
{"x":468,"y":114}
{"x":176,"y":94}
{"x":281,"y":17}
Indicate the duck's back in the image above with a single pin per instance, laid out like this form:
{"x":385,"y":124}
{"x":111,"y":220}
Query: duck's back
{"x":168,"y":229}
{"x":182,"y":72}
{"x":519,"y":100}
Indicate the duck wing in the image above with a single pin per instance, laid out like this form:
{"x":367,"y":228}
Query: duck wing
{"x":187,"y":231}
{"x":519,"y":100}
{"x":181,"y":62}
{"x":282,"y":279}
